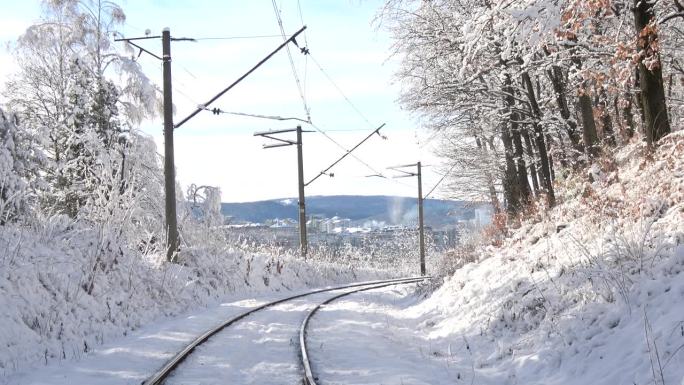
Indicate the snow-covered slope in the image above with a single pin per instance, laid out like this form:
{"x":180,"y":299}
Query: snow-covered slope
{"x":592,"y":293}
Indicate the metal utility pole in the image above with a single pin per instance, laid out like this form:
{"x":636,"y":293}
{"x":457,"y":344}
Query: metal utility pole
{"x":421,"y":231}
{"x":169,"y":166}
{"x":171,"y":221}
{"x":300,"y":173}
{"x":303,"y":245}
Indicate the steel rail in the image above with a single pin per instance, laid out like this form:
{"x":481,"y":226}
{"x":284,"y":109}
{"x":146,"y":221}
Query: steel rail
{"x":161,"y":374}
{"x":309,"y":378}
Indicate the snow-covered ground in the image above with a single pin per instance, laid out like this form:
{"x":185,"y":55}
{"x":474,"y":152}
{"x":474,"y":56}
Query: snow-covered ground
{"x":370,"y":338}
{"x":592,"y":292}
{"x":59,"y":302}
{"x":131,"y":359}
{"x":260,"y":349}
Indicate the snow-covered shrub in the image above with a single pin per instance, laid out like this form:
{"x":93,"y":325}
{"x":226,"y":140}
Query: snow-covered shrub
{"x":205,"y":204}
{"x":467,"y":251}
{"x":495,"y":232}
{"x":623,"y":255}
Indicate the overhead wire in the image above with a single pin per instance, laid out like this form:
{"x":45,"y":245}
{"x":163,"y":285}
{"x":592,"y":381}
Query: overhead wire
{"x":183,"y":94}
{"x":353,"y":176}
{"x":177,"y":82}
{"x":217,"y":111}
{"x":371,"y":168}
{"x":301,"y":86}
{"x":330,"y":79}
{"x":348,"y":130}
{"x":306,"y":44}
{"x":179,"y":86}
{"x":238,"y":37}
{"x":302,"y":90}
{"x":441,"y":180}
{"x":345,"y":149}
{"x":188,"y":72}
{"x":307,"y":54}
{"x":289,"y":55}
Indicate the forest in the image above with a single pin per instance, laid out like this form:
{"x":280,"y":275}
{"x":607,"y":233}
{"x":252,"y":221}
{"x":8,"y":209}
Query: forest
{"x":524,"y":93}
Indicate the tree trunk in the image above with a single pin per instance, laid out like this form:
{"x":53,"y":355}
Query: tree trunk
{"x":558,"y":82}
{"x":606,"y":121}
{"x":512,"y":191}
{"x":629,"y":116}
{"x":586,"y":109}
{"x":588,"y":124}
{"x":637,"y":94}
{"x":490,"y":181}
{"x":550,"y":144}
{"x":546,"y":183}
{"x":533,"y":161}
{"x":525,"y":193}
{"x":656,"y":121}
{"x":510,"y":179}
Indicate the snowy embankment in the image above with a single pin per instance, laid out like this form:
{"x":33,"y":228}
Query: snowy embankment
{"x":591,"y":293}
{"x":61,"y":295}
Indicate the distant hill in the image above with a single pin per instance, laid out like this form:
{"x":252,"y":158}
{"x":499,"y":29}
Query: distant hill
{"x":392,"y":210}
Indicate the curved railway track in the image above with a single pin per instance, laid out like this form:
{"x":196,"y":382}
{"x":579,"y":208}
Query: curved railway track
{"x":161,"y":375}
{"x":309,"y":378}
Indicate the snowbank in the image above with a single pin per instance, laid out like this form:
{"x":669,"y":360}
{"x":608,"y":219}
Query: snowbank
{"x":591,"y":293}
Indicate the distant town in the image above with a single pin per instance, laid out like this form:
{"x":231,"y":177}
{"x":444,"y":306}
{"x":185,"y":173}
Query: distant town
{"x":340,"y":225}
{"x":336,"y":231}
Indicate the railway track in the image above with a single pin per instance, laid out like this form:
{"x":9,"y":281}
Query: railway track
{"x":167,"y":369}
{"x":309,"y":378}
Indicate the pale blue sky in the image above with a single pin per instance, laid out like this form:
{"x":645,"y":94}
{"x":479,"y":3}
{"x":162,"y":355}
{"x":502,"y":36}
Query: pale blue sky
{"x":220,"y":150}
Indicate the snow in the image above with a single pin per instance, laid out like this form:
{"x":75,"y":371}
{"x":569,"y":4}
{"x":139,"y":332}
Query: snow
{"x":263,"y":349}
{"x":590,"y":292}
{"x":132,"y":359}
{"x":596,"y":300}
{"x":48,"y":317}
{"x":250,"y":352}
{"x":367,"y":338}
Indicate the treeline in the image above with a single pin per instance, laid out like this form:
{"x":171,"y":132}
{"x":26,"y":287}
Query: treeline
{"x":524,"y":92}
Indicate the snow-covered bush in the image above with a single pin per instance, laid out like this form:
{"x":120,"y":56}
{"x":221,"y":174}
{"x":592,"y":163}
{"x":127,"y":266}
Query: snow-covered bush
{"x":467,"y":251}
{"x":205,"y":204}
